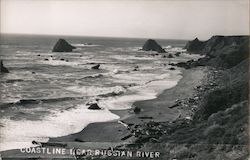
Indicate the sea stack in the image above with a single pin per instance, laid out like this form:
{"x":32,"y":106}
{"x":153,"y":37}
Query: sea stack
{"x":2,"y":68}
{"x":62,"y":46}
{"x":152,"y":45}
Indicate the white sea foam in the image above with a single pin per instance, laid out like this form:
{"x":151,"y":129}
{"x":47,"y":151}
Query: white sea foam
{"x":175,"y":49}
{"x":192,"y":56}
{"x":132,"y":57}
{"x":20,"y":134}
{"x":168,"y":47}
{"x":60,"y":62}
{"x":95,"y":91}
{"x":144,"y":92}
{"x":85,"y":45}
{"x":138,"y":77}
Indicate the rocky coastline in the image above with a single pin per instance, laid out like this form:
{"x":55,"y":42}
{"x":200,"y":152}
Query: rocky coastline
{"x":216,"y":126}
{"x":205,"y":115}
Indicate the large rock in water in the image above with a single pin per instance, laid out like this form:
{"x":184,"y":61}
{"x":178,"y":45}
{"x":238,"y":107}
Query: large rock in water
{"x":62,"y":46}
{"x":2,"y":68}
{"x":152,"y":45}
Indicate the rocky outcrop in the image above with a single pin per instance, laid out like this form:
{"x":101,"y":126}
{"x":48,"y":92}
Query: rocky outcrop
{"x":2,"y":68}
{"x":152,"y":45}
{"x":63,"y":46}
{"x":220,"y":51}
{"x":194,"y":46}
{"x":228,"y":51}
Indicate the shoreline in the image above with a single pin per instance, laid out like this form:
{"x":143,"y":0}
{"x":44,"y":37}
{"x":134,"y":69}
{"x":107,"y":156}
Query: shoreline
{"x":113,"y":131}
{"x":110,"y":134}
{"x":204,"y":115}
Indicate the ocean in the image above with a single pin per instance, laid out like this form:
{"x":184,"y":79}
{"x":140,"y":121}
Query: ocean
{"x":41,"y":99}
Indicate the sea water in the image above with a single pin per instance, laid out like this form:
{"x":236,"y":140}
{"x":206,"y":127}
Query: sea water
{"x":48,"y":98}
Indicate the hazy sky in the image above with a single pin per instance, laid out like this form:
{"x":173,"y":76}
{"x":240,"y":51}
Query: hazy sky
{"x":176,"y":19}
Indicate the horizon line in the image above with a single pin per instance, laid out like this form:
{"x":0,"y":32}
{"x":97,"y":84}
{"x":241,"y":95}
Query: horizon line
{"x":35,"y":34}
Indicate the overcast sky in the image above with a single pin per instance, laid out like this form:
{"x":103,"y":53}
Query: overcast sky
{"x":167,"y":19}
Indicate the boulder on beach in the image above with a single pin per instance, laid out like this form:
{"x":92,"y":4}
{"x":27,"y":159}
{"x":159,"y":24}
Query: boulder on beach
{"x":152,"y":45}
{"x":94,"y":106}
{"x":62,"y":46}
{"x":96,"y":66}
{"x":2,"y":68}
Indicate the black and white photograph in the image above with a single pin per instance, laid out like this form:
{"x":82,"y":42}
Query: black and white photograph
{"x":124,"y":79}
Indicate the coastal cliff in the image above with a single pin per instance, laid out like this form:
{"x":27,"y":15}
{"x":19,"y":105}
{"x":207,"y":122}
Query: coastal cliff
{"x":218,"y":51}
{"x":218,"y":128}
{"x":213,"y":121}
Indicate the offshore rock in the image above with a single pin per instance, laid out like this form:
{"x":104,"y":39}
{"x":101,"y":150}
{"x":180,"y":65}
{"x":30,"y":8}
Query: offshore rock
{"x":2,"y":68}
{"x":63,"y":46}
{"x":152,"y":45}
{"x":96,"y":66}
